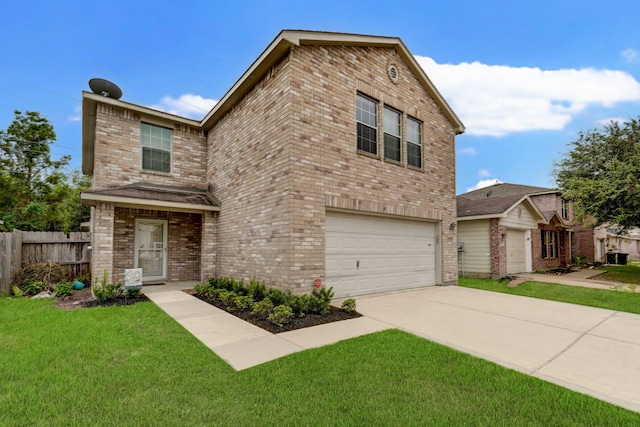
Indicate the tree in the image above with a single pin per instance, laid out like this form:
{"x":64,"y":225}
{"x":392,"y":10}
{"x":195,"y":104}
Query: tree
{"x":602,"y":172}
{"x":35,"y":192}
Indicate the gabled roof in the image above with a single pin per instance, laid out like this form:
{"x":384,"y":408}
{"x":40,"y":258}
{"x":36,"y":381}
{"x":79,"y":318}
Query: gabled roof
{"x":278,"y":48}
{"x":504,"y":190}
{"x":288,"y":38}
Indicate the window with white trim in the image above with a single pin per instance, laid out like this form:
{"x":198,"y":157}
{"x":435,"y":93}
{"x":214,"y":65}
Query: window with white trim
{"x":155,"y":143}
{"x":414,"y":143}
{"x":565,"y":209}
{"x":367,"y":119}
{"x":392,"y":125}
{"x":549,"y":244}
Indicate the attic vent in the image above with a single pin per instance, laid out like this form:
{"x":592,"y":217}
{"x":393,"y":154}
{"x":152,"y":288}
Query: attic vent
{"x":488,"y":193}
{"x":392,"y":71}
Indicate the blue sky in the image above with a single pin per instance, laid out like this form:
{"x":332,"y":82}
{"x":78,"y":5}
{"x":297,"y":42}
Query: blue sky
{"x":524,"y":77}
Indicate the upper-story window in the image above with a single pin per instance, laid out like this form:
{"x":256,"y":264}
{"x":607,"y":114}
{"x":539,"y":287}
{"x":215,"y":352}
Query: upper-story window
{"x":392,"y":134}
{"x":414,"y":143}
{"x":156,"y":148}
{"x":367,"y":118}
{"x":565,"y":209}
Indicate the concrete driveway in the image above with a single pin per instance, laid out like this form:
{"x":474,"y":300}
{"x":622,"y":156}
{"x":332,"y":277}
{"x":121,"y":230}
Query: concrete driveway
{"x":589,"y":350}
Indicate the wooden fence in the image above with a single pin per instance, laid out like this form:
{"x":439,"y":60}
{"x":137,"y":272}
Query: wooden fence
{"x":25,"y":247}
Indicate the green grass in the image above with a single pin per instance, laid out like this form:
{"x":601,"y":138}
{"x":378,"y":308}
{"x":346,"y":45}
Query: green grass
{"x":136,"y":366}
{"x":603,"y":298}
{"x":629,"y":273}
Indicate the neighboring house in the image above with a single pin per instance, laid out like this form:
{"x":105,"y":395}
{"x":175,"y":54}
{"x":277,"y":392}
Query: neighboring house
{"x":595,"y":243}
{"x":507,"y":229}
{"x":331,"y":158}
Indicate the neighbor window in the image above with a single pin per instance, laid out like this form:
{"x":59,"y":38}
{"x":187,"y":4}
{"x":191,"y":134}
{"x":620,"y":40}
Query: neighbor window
{"x":367,"y":118}
{"x":565,"y":209}
{"x":392,"y":134}
{"x":549,"y":244}
{"x":414,"y":143}
{"x":156,"y":148}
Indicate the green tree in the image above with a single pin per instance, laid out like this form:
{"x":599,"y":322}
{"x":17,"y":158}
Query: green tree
{"x":35,"y":192}
{"x":602,"y":172}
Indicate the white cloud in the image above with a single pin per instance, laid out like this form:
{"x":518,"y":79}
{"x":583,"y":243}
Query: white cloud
{"x":186,"y":105}
{"x":630,"y":55}
{"x":497,"y":100}
{"x":470,"y":151}
{"x":484,"y":183}
{"x":484,"y":173}
{"x":608,"y":121}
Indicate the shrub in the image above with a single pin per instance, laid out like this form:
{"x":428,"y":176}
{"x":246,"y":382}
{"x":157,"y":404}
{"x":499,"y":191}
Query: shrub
{"x":108,"y":291}
{"x":278,"y":297}
{"x":63,"y":289}
{"x":349,"y":305}
{"x":256,"y":290}
{"x":85,"y":278}
{"x":243,"y":302}
{"x":300,"y":304}
{"x":33,"y":287}
{"x":133,"y":293}
{"x":320,"y":301}
{"x":227,"y":298}
{"x":263,"y":308}
{"x":45,"y":272}
{"x":17,"y":291}
{"x":201,"y":288}
{"x":281,"y":314}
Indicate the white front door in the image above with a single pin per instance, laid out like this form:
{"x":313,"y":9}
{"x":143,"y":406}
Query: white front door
{"x":151,"y":248}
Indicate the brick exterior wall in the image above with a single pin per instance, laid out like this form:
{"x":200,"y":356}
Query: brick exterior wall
{"x":118,"y":153}
{"x":583,"y":242}
{"x":563,"y":259}
{"x":287,"y":152}
{"x":102,"y":242}
{"x":498,"y":248}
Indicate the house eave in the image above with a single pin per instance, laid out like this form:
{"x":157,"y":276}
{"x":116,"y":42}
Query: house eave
{"x":91,"y":199}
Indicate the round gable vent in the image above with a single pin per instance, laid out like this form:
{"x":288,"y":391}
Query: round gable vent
{"x":392,"y":72}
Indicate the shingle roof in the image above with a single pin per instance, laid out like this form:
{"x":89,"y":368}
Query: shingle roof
{"x":495,"y":199}
{"x":160,"y":193}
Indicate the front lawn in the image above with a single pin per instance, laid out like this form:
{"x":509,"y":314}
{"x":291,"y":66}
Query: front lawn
{"x":603,"y":298}
{"x":134,"y":365}
{"x":629,"y":273}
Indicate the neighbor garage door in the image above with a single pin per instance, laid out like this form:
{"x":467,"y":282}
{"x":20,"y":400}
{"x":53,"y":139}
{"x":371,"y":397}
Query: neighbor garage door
{"x":366,"y":254}
{"x":516,"y":253}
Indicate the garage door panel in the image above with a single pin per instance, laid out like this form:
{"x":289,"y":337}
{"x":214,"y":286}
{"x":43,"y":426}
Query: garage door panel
{"x":366,"y":254}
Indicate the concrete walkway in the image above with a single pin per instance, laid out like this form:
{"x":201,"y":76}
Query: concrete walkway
{"x":589,"y":350}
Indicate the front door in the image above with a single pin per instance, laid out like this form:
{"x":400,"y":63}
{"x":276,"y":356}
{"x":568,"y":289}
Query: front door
{"x":151,"y":249}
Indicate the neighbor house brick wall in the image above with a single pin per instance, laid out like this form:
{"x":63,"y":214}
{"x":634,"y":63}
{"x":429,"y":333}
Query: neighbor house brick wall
{"x":183,"y":246}
{"x":287,"y":152}
{"x":118,"y":153}
{"x":498,"y":236}
{"x":583,"y":243}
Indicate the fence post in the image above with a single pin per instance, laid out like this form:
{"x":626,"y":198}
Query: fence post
{"x":5,"y":263}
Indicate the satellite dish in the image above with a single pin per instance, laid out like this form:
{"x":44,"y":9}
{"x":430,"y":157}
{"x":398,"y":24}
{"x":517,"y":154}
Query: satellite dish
{"x":105,"y":88}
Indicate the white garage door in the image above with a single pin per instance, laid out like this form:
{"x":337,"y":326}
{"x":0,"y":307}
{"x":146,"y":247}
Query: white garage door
{"x":516,"y":253}
{"x":366,"y":254}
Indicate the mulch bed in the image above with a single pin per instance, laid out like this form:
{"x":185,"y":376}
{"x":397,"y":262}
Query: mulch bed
{"x":84,"y":299}
{"x":336,"y":314}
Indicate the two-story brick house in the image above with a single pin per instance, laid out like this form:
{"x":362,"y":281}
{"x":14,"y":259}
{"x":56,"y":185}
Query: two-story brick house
{"x":508,"y":228}
{"x":331,"y":158}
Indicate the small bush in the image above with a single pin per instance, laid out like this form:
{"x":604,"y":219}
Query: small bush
{"x":300,"y":304}
{"x":243,"y":302}
{"x":133,"y":293}
{"x":256,"y":290}
{"x":201,"y":288}
{"x":320,"y":301}
{"x":263,"y":308}
{"x":108,"y":291}
{"x":278,"y":297}
{"x":45,"y":272}
{"x":63,"y":289}
{"x":34,"y":287}
{"x":349,"y":305}
{"x":226,"y":298}
{"x":281,"y":314}
{"x":16,"y":291}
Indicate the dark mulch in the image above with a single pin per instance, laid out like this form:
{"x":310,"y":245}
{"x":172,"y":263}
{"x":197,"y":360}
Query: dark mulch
{"x":336,"y":314}
{"x":84,"y":299}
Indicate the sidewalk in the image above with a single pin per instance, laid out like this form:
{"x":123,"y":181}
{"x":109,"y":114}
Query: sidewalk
{"x":589,"y":350}
{"x":587,"y":278}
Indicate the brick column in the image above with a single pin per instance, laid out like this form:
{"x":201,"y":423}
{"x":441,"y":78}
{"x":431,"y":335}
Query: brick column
{"x":103,"y":216}
{"x":498,"y":235}
{"x":208,"y":249}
